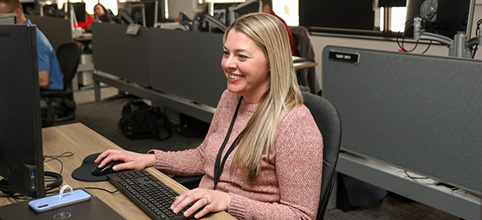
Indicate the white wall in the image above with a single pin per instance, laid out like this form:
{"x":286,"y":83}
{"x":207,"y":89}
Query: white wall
{"x":89,"y":4}
{"x":319,"y":42}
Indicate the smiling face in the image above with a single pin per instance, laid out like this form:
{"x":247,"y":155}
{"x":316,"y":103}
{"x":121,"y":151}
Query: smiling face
{"x":245,"y":66}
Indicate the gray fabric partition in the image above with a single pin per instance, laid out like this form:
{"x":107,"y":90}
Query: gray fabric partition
{"x":121,"y":54}
{"x":187,"y":64}
{"x":180,"y":63}
{"x":417,"y":112}
{"x":57,"y":30}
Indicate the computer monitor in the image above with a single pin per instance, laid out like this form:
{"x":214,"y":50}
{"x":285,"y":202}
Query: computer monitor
{"x":442,"y":17}
{"x":152,"y":10}
{"x":79,"y":9}
{"x":138,"y":13}
{"x":21,"y":153}
{"x":220,"y":10}
{"x":244,"y":8}
{"x":124,"y":17}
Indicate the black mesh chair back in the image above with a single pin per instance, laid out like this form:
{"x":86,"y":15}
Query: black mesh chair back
{"x":68,"y":55}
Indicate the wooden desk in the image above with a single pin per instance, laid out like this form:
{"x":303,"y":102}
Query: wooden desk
{"x":82,"y":141}
{"x":304,"y":64}
{"x":84,"y":37}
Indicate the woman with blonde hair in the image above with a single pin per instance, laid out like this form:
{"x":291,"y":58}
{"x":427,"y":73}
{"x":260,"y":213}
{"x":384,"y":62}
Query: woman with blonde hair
{"x":262,"y":156}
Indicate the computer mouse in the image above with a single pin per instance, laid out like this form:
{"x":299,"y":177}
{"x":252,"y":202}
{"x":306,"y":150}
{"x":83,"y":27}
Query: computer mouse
{"x":106,"y":169}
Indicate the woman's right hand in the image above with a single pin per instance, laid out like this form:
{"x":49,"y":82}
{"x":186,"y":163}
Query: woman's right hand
{"x":131,"y":160}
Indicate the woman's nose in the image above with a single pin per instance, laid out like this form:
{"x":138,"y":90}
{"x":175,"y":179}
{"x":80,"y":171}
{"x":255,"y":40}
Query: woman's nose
{"x":229,"y":62}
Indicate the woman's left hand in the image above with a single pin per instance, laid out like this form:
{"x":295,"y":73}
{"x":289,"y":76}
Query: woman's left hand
{"x":204,"y":200}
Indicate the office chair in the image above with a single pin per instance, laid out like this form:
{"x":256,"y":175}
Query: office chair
{"x":328,"y":120}
{"x":60,"y":106}
{"x":306,"y":76}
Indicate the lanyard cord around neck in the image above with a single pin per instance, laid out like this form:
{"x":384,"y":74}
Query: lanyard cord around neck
{"x":219,"y":166}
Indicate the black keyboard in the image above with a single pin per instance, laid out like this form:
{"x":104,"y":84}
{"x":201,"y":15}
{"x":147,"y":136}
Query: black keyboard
{"x":146,"y":191}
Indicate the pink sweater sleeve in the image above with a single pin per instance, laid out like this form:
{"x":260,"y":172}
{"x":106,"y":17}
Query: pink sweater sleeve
{"x":298,"y":159}
{"x":188,"y":162}
{"x":170,"y":163}
{"x":184,"y":163}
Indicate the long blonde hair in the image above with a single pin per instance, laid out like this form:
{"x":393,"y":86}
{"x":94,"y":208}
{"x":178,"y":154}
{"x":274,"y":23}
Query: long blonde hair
{"x":258,"y":137}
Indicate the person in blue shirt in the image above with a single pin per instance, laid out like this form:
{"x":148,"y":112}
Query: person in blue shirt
{"x":50,"y":74}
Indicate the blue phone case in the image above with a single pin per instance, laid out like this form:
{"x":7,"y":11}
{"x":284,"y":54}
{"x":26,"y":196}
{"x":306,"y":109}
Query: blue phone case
{"x":53,"y":202}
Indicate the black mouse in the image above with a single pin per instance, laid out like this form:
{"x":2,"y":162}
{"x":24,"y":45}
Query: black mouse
{"x":106,"y":169}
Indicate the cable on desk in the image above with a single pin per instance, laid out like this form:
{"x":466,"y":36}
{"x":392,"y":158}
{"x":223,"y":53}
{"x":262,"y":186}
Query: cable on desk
{"x":15,"y":197}
{"x":64,"y":154}
{"x":53,"y":192}
{"x":48,"y":158}
{"x":428,"y":47}
{"x":98,"y":188}
{"x":51,"y":177}
{"x":89,"y":187}
{"x":416,"y":178}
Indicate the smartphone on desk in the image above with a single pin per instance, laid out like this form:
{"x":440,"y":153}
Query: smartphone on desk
{"x":55,"y":201}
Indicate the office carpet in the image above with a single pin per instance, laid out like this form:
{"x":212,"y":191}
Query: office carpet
{"x":104,"y":116}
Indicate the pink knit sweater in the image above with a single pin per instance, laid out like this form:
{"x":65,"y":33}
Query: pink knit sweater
{"x":288,"y":186}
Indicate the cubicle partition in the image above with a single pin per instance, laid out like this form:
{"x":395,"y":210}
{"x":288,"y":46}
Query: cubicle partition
{"x":178,"y":69}
{"x":415,"y":112}
{"x":121,"y":54}
{"x":187,"y":64}
{"x":57,"y":30}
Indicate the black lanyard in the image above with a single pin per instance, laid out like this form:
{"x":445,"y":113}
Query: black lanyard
{"x":219,"y":166}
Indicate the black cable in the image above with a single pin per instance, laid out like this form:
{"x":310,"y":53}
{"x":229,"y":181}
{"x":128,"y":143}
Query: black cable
{"x":5,"y":196}
{"x":89,"y":187}
{"x":476,"y":47}
{"x":426,"y":49}
{"x":427,"y":25}
{"x":413,"y":177}
{"x":98,"y":188}
{"x":49,"y":179}
{"x":64,"y":154}
{"x":48,"y":158}
{"x":15,"y":197}
{"x":402,"y":46}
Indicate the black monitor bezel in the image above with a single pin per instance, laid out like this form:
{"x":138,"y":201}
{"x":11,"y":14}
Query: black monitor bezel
{"x":21,"y":152}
